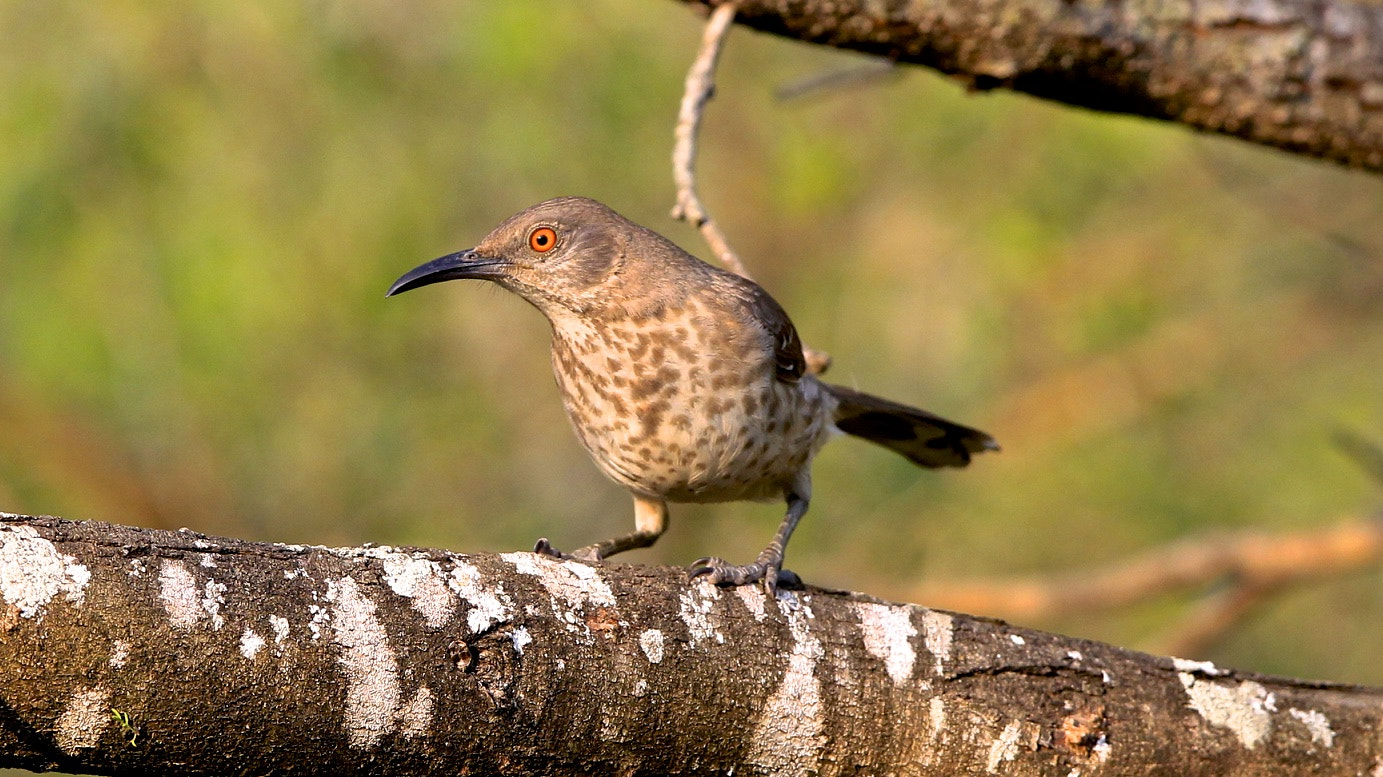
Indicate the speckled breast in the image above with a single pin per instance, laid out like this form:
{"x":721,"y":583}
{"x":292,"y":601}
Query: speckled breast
{"x":684,"y":405}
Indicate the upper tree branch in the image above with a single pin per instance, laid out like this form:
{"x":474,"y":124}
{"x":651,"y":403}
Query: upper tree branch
{"x":1301,"y":75}
{"x":131,"y":651}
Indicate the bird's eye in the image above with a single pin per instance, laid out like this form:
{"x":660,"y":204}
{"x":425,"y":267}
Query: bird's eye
{"x":542,"y":239}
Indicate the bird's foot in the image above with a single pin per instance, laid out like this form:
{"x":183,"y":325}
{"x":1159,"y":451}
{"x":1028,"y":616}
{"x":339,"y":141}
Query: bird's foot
{"x":588,"y":553}
{"x":767,"y":569}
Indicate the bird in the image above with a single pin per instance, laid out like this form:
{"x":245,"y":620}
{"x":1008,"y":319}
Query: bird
{"x":684,"y":382}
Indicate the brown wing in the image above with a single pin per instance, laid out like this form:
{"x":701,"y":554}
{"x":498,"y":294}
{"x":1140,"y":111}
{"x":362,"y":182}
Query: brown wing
{"x":789,"y":363}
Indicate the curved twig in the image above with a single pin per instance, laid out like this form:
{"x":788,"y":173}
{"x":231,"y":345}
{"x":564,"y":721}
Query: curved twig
{"x":700,"y":87}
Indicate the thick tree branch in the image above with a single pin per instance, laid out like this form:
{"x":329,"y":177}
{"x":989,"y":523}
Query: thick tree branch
{"x":133,"y":651}
{"x":1300,"y":75}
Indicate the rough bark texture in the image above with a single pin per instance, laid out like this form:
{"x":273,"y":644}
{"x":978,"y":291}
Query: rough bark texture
{"x":133,"y":651}
{"x":1301,"y":75}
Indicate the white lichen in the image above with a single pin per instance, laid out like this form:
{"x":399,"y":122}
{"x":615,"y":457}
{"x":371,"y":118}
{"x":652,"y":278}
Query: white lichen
{"x":369,"y":663}
{"x":520,"y":637}
{"x":487,"y":606}
{"x":936,"y":715}
{"x":1005,"y":747}
{"x":33,"y":571}
{"x":1206,"y":668}
{"x":212,"y":599}
{"x":250,"y":644}
{"x":575,"y":590}
{"x":651,"y":641}
{"x":1316,"y":723}
{"x":888,"y":633}
{"x":178,"y":593}
{"x":1245,"y":708}
{"x":695,"y":606}
{"x":119,"y":654}
{"x":83,"y":717}
{"x":753,"y":598}
{"x":319,"y":617}
{"x":279,"y":625}
{"x":415,"y":717}
{"x":937,"y":631}
{"x":421,"y":581}
{"x":788,"y":737}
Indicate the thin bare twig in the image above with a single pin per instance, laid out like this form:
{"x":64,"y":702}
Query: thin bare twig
{"x":837,"y":79}
{"x":700,"y":87}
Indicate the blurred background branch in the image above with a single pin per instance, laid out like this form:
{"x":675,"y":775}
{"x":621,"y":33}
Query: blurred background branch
{"x":1235,"y":572}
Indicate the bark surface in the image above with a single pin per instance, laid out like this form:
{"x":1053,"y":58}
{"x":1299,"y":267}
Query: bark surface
{"x":1301,"y":75}
{"x":135,"y":651}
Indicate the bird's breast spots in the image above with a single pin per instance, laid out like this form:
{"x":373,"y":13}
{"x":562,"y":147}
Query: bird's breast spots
{"x":720,"y":381}
{"x":617,"y":406}
{"x":717,"y":405}
{"x":651,"y":416}
{"x":750,"y":404}
{"x":653,"y":384}
{"x":641,"y":343}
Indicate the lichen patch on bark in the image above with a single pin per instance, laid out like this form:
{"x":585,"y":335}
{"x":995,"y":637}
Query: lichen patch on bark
{"x":695,"y":606}
{"x":1317,"y":725}
{"x":33,"y":572}
{"x":575,"y":590}
{"x":178,"y":593}
{"x":936,"y":635}
{"x":488,"y":605}
{"x":651,"y":641}
{"x":369,"y":663}
{"x":888,"y":633}
{"x":788,"y":738}
{"x":87,"y":711}
{"x":1245,"y":709}
{"x":420,"y":580}
{"x":754,"y":599}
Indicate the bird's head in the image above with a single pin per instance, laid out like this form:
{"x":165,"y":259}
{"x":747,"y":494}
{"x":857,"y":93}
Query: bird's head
{"x":558,"y":254}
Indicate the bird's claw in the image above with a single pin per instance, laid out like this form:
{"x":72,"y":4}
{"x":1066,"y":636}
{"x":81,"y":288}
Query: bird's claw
{"x":768,"y":571}
{"x":589,"y":553}
{"x":544,"y":548}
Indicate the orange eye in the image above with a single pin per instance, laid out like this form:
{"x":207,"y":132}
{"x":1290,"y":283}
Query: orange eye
{"x":542,"y":239}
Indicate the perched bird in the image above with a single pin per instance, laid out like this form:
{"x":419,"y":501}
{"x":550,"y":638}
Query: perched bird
{"x":684,"y":382}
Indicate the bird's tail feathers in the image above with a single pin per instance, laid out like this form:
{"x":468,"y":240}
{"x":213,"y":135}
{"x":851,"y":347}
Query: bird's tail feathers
{"x":925,"y":439}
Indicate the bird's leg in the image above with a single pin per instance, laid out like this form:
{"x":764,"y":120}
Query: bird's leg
{"x":650,"y":521}
{"x":769,"y":563}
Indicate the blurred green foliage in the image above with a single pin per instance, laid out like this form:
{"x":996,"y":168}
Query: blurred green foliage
{"x":201,"y":206}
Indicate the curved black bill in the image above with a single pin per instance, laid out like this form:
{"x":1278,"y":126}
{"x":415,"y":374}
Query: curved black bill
{"x":462,"y":264}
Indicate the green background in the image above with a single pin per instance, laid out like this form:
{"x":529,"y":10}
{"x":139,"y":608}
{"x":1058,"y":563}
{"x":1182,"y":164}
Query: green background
{"x":201,"y":206}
